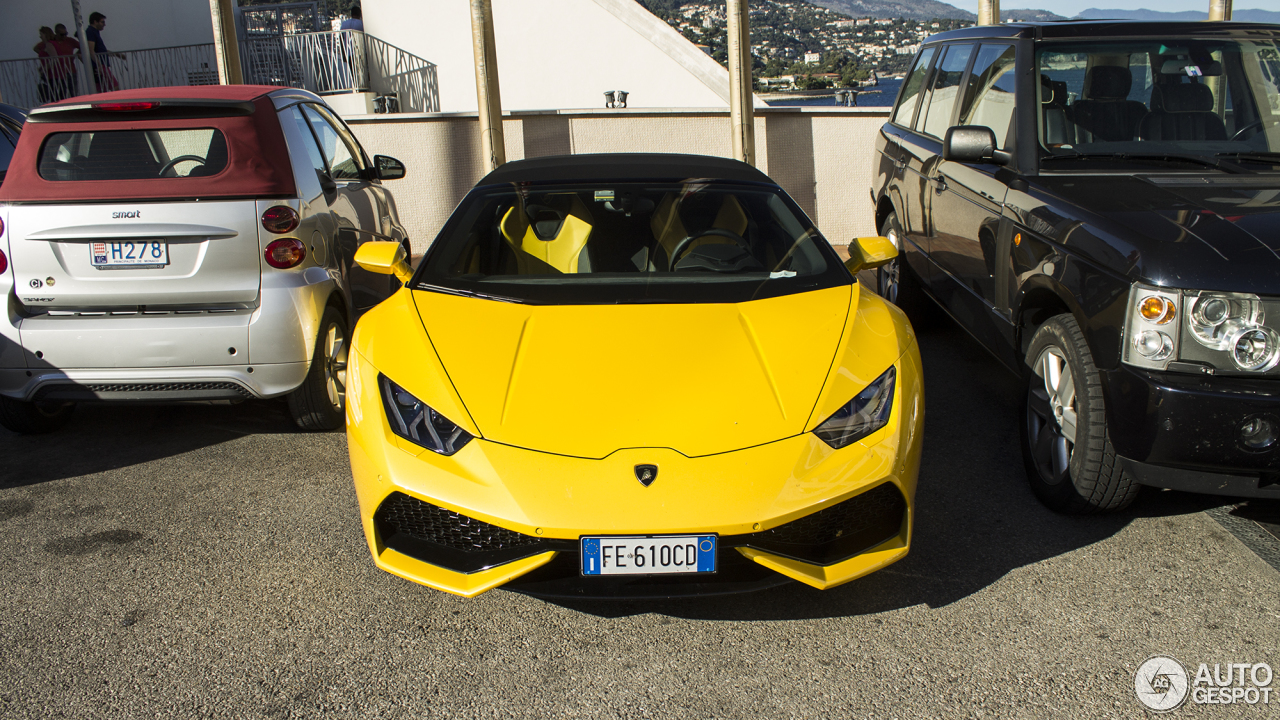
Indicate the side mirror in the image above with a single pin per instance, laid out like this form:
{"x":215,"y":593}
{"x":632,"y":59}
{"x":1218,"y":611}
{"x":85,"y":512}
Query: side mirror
{"x":870,"y":252}
{"x":973,"y":144}
{"x":389,"y":168}
{"x":385,"y":258}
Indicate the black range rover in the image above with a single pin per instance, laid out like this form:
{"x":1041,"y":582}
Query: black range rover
{"x":1098,"y":203}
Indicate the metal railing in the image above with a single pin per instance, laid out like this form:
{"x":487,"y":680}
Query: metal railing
{"x":325,"y":63}
{"x":28,"y":83}
{"x":343,"y":61}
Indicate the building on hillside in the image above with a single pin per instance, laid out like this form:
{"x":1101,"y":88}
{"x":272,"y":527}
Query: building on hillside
{"x":812,"y":58}
{"x":556,"y":55}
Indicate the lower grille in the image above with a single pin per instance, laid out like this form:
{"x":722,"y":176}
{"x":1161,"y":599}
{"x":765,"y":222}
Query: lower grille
{"x":837,"y":533}
{"x":452,"y":540}
{"x":143,"y":391}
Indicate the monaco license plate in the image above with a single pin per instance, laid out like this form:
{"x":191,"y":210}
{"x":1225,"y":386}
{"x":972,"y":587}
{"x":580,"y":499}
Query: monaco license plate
{"x":108,"y":256}
{"x":648,"y":555}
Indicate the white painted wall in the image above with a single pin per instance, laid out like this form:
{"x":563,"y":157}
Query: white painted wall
{"x":555,"y":54}
{"x":131,"y":24}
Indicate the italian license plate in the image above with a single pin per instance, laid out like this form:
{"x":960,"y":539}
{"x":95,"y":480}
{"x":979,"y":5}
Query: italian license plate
{"x":641,"y":555}
{"x":107,"y":256}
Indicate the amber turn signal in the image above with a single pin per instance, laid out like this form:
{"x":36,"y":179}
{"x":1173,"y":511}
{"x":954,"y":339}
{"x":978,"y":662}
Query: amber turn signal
{"x":1157,"y":310}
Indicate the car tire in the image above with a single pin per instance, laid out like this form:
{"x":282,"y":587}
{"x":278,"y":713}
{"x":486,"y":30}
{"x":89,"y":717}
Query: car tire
{"x":319,"y":403}
{"x":34,"y":418}
{"x":1070,"y":462}
{"x":897,"y":283}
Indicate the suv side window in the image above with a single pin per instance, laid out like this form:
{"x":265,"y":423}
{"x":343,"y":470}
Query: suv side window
{"x":906,"y":110}
{"x":991,"y":92}
{"x":935,"y":116}
{"x":344,"y":158}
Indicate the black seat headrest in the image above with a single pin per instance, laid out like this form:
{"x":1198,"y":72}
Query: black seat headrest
{"x":1186,"y":97}
{"x":1109,"y":82}
{"x":215,"y":160}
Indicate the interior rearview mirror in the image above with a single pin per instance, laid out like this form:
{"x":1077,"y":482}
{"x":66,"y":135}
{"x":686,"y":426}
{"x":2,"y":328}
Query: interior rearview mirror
{"x":385,"y":258}
{"x":973,"y":144}
{"x":389,"y":168}
{"x":870,"y":252}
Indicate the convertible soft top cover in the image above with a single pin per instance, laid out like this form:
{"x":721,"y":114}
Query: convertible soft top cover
{"x":257,"y":157}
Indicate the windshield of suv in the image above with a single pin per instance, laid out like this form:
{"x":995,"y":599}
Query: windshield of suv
{"x":1171,"y":99}
{"x":622,"y":242}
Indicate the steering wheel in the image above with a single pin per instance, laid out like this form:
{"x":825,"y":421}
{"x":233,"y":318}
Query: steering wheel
{"x":169,"y":165}
{"x":684,"y":244}
{"x":1255,"y":124}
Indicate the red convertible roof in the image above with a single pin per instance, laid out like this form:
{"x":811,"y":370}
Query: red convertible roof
{"x":257,"y":158}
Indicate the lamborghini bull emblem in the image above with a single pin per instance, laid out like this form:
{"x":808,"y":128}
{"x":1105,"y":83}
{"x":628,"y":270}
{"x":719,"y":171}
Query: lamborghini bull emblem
{"x":646,"y":474}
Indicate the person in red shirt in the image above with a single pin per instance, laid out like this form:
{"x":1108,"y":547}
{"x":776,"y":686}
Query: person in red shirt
{"x":69,"y":50}
{"x":52,"y":71}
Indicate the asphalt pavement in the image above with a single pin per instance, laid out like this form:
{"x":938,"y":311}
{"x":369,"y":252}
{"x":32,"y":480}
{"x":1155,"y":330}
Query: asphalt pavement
{"x":203,"y":561}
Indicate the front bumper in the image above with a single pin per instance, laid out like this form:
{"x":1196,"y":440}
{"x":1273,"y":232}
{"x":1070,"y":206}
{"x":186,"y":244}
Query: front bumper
{"x":1183,"y":431}
{"x":493,"y":514}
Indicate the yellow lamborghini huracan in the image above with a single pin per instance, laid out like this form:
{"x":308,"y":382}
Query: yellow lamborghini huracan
{"x":630,"y":376}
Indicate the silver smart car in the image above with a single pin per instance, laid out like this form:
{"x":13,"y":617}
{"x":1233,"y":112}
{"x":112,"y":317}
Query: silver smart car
{"x":186,"y":244}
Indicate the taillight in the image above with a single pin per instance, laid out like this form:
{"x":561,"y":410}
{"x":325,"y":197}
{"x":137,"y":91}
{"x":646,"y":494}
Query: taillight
{"x":4,"y":262}
{"x":279,"y":219}
{"x":125,"y":106}
{"x":285,"y":253}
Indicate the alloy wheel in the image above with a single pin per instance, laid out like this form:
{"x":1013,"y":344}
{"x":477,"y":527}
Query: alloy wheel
{"x":890,"y":273}
{"x":1051,"y":416}
{"x":335,"y":365}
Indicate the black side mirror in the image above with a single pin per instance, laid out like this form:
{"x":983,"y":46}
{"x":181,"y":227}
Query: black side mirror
{"x":389,"y":168}
{"x":973,"y":144}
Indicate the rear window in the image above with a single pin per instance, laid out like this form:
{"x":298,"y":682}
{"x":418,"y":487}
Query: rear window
{"x":133,"y":154}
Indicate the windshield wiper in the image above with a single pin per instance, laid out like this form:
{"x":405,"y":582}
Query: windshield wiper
{"x":1254,"y":156}
{"x":1167,"y":157}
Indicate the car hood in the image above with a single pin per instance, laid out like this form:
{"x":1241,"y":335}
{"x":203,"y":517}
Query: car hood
{"x":587,"y":380}
{"x":1219,"y":233}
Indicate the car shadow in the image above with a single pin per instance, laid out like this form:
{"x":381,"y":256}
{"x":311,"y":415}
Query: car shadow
{"x":101,"y":437}
{"x":976,"y":518}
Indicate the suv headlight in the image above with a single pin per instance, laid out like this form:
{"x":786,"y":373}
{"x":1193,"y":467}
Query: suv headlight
{"x":861,"y":416}
{"x":1193,"y":329}
{"x":415,"y":421}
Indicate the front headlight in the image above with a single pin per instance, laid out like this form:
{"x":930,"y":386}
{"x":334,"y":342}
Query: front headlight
{"x":413,"y":420}
{"x":1189,"y":330}
{"x":861,"y":416}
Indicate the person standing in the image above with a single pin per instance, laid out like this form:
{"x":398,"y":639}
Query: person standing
{"x":68,"y":50}
{"x":355,"y":22}
{"x":98,"y":52}
{"x":49,"y":69}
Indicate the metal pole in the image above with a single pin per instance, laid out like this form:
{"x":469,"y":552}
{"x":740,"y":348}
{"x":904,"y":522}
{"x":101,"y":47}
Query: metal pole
{"x":741,"y":111}
{"x":988,"y":12}
{"x":1219,"y":10}
{"x":225,"y":44}
{"x":87,"y":82}
{"x":488,"y":97}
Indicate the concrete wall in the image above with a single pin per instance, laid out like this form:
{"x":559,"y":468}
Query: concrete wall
{"x":555,"y":53}
{"x":821,"y":156}
{"x":131,"y":24}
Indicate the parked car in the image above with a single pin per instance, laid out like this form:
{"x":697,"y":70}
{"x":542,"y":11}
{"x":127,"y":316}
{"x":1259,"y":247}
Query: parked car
{"x":1098,"y":203}
{"x":186,"y":243}
{"x":11,"y":120}
{"x":608,"y":379}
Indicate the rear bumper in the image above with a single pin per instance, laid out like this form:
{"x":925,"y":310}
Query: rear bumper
{"x":162,"y":384}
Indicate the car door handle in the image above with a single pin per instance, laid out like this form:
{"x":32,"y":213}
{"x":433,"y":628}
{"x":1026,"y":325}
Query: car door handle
{"x":942,"y":185}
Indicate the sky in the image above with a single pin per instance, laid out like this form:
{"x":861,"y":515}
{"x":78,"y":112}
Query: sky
{"x":1068,"y":8}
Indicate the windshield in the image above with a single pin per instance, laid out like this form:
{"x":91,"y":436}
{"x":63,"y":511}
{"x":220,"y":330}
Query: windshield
{"x":604,"y":242}
{"x":1197,"y":97}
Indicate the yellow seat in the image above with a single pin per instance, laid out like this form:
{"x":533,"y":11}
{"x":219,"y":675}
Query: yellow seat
{"x":550,"y":235}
